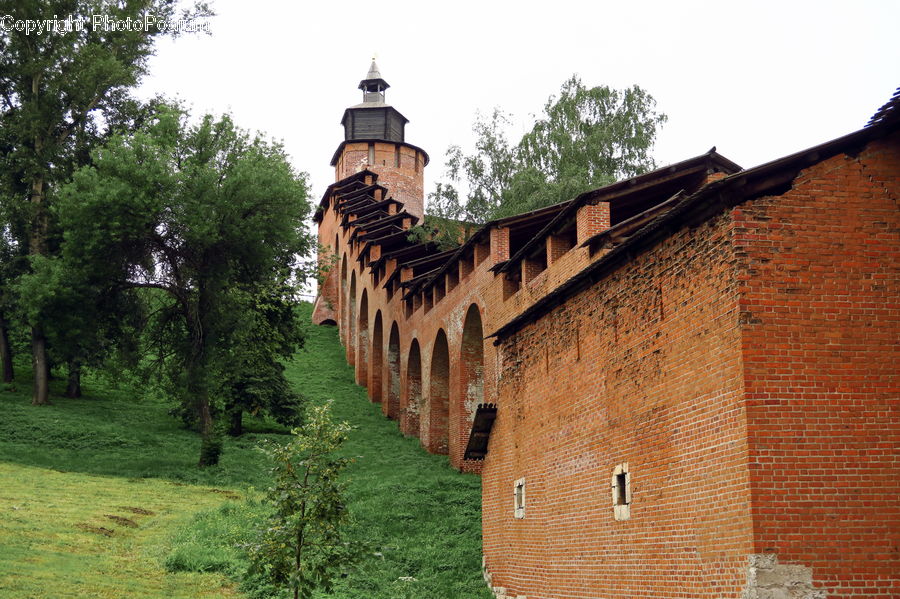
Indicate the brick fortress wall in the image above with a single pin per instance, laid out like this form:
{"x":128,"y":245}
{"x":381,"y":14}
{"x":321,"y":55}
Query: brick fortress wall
{"x":739,"y":377}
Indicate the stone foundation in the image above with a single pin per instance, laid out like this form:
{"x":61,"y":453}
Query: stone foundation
{"x":767,"y":579}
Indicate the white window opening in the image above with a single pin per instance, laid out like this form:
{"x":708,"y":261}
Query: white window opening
{"x":519,"y":498}
{"x":621,"y":492}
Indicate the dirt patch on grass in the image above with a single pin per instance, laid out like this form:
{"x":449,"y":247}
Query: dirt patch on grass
{"x":122,"y":520}
{"x":228,"y":494}
{"x":137,"y":510}
{"x":99,"y":530}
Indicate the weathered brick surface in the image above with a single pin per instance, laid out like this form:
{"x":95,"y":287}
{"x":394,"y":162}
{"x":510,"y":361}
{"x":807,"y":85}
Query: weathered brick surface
{"x":820,"y":307}
{"x":643,"y":368}
{"x":405,"y":181}
{"x":746,"y":370}
{"x":744,"y":367}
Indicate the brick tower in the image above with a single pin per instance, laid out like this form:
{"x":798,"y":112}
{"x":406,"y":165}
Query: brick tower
{"x":374,"y":139}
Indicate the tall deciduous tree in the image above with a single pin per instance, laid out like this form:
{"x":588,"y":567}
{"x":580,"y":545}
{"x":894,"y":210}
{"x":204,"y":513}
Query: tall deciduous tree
{"x":586,"y":138}
{"x":206,"y":218}
{"x":58,"y":83}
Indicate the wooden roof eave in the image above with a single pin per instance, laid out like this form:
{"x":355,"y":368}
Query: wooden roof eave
{"x":346,"y":181}
{"x":626,"y":187}
{"x":412,"y":286}
{"x":766,"y":179}
{"x":375,"y":234}
{"x":402,"y":253}
{"x":355,"y":205}
{"x":368,"y":190}
{"x":367,"y":218}
{"x":390,"y":219}
{"x":622,"y":230}
{"x":381,"y":206}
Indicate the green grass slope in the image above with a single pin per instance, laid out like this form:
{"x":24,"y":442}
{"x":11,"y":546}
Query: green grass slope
{"x":422,"y":518}
{"x":70,"y":471}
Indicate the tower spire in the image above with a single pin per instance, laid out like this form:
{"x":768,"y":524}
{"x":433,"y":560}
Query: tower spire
{"x":375,"y":139}
{"x":373,"y":85}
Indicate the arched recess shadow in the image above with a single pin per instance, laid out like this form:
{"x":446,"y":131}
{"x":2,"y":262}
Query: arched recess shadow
{"x":376,"y":364}
{"x":362,"y":344}
{"x":411,"y":406}
{"x":391,"y":402}
{"x":351,"y":319}
{"x":471,"y":363}
{"x":342,"y":302}
{"x":439,"y":396}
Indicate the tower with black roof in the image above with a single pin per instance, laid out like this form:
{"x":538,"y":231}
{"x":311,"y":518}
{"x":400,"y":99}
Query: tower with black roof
{"x":375,"y":139}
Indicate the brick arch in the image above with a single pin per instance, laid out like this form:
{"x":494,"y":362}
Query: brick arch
{"x":411,"y":401}
{"x":351,"y":320}
{"x":376,"y":363}
{"x":438,"y":416}
{"x":342,"y":301}
{"x":391,"y":399}
{"x":471,"y":363}
{"x":362,"y":340}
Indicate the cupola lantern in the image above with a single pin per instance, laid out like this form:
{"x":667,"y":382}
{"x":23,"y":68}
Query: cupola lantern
{"x":373,"y":120}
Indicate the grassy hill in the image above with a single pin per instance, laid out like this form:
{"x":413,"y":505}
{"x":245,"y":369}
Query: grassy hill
{"x":101,"y":498}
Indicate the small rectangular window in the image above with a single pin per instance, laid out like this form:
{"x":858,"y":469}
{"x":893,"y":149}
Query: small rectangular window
{"x":621,"y":492}
{"x":519,"y":498}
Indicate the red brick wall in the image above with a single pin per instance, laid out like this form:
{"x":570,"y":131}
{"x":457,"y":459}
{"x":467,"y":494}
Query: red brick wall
{"x":821,"y":311}
{"x":642,"y":368}
{"x":794,"y":299}
{"x":405,"y":182}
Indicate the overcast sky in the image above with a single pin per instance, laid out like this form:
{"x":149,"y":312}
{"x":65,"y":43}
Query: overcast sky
{"x":759,"y":79}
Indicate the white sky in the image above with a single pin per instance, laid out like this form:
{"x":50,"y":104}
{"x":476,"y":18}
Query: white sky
{"x":759,"y":79}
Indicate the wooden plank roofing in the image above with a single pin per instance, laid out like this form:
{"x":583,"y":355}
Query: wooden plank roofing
{"x":771,"y":178}
{"x":631,"y":196}
{"x":477,"y":447}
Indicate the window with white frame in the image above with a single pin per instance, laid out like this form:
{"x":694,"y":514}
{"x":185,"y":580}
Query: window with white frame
{"x":621,"y":492}
{"x":519,"y":498}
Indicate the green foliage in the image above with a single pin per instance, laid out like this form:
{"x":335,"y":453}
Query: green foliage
{"x":251,"y":374}
{"x":214,"y":540}
{"x":420,"y":518}
{"x":586,"y":138}
{"x":305,"y":545}
{"x":209,"y":221}
{"x":61,"y":94}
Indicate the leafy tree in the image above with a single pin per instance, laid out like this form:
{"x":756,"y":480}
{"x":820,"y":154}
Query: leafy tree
{"x":207,"y":220}
{"x":58,"y":91}
{"x":252,"y":377}
{"x":92,"y":317}
{"x":586,"y":138}
{"x":305,"y":544}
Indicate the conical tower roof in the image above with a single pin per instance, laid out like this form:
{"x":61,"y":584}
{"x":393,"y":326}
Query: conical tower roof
{"x":373,"y":81}
{"x":374,"y":73}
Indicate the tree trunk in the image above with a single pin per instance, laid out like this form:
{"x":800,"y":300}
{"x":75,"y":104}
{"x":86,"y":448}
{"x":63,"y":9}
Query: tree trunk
{"x":5,"y":352}
{"x":73,"y":388}
{"x":41,"y":367}
{"x":37,"y":246}
{"x":236,"y":428}
{"x":210,"y":444}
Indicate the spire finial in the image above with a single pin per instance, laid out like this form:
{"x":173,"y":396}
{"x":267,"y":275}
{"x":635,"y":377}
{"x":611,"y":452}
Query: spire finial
{"x":373,"y":71}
